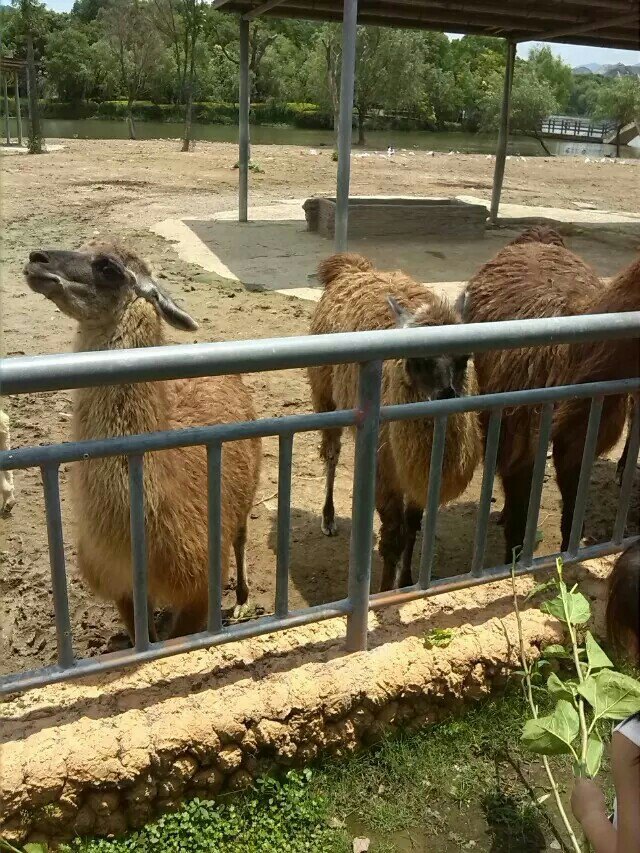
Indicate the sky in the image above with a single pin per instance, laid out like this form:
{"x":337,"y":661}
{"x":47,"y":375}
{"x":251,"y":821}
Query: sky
{"x":573,"y":54}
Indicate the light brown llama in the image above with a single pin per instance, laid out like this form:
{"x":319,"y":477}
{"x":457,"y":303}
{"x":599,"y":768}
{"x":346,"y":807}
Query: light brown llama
{"x":357,"y":298}
{"x":7,"y":498}
{"x":111,"y":293}
{"x":542,"y":278}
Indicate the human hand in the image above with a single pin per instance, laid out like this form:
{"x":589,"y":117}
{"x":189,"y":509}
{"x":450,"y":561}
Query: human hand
{"x":587,"y":801}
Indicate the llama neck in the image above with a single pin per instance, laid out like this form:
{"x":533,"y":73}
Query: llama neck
{"x":121,"y":409}
{"x":623,"y":294}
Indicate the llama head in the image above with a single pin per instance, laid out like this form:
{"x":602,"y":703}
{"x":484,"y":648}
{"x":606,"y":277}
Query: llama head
{"x":437,"y":377}
{"x":94,"y":284}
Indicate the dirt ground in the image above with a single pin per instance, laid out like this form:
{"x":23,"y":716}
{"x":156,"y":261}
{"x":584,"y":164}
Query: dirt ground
{"x":124,"y":188}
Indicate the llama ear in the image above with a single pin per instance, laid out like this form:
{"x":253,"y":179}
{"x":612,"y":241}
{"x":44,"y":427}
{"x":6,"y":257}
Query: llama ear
{"x":401,"y":315}
{"x":165,"y":306}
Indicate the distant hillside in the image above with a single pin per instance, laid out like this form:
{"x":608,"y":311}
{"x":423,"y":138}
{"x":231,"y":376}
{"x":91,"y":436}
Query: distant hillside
{"x":617,"y":70}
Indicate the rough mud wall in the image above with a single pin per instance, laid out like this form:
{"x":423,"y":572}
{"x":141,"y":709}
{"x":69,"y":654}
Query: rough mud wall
{"x":106,"y":754}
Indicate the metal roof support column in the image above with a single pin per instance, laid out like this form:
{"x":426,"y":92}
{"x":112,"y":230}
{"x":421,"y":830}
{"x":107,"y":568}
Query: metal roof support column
{"x":503,"y":134}
{"x":244,"y":96}
{"x":347,"y":81}
{"x":7,"y":127}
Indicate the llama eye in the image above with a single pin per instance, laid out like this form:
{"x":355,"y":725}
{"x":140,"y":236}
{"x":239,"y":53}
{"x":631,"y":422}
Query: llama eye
{"x":108,"y":270}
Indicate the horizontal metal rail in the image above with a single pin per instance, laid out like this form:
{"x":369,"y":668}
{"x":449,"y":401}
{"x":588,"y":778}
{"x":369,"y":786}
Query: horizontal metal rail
{"x":104,"y":368}
{"x":26,"y":374}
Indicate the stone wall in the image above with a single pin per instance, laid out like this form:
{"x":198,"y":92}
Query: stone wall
{"x":105,"y":754}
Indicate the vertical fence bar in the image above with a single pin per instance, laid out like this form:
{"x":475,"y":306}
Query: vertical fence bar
{"x":284,"y":524}
{"x":18,"y":108}
{"x":628,"y":475}
{"x":244,"y":98}
{"x":55,"y":538}
{"x":433,"y":501}
{"x":7,"y":124}
{"x":138,"y":552}
{"x":364,"y":498}
{"x":537,"y":482}
{"x":488,"y":477}
{"x":588,"y":456}
{"x":347,"y":83}
{"x":214,"y":487}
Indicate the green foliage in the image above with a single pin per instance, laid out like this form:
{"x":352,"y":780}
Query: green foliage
{"x":596,"y":692}
{"x":554,"y":71}
{"x":619,"y":100}
{"x":439,"y":638}
{"x":286,"y":815}
{"x":34,"y":847}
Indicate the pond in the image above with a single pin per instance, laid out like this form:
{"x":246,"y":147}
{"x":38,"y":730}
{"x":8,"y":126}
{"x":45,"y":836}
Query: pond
{"x":472,"y":143}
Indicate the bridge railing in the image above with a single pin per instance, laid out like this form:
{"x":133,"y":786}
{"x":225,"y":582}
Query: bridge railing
{"x":74,"y":370}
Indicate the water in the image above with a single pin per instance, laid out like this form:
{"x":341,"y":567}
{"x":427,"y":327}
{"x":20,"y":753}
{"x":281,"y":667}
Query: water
{"x":472,"y":143}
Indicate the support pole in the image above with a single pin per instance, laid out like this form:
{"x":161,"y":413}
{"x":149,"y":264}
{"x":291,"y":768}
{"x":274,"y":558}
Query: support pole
{"x":7,"y":126}
{"x":503,"y":135}
{"x":18,"y":109}
{"x":347,"y":81}
{"x":244,"y":97}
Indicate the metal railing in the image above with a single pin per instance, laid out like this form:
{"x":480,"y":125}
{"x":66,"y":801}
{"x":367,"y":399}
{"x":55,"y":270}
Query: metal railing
{"x":570,"y":127}
{"x":73,"y":370}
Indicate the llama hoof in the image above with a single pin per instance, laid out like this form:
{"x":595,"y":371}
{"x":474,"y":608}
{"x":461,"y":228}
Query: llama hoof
{"x":329,"y":528}
{"x":242,"y":612}
{"x":8,"y":505}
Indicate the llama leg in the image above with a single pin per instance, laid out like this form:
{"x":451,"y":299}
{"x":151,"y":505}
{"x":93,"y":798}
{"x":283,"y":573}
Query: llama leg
{"x":190,"y":619}
{"x":517,"y":487}
{"x":125,"y":609}
{"x":6,"y":491}
{"x":567,"y":476}
{"x":242,"y":581}
{"x":412,"y":522}
{"x":392,"y":533}
{"x":330,"y":454}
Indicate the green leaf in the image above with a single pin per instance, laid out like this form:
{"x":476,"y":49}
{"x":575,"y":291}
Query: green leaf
{"x":553,"y":735}
{"x":558,"y":689}
{"x":556,"y":651}
{"x":439,"y":638}
{"x":541,"y":587}
{"x":35,"y":847}
{"x":595,"y":748}
{"x":612,"y":695}
{"x":596,"y":658}
{"x":578,"y":608}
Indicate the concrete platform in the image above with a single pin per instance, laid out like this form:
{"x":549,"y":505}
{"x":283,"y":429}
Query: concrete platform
{"x":274,"y":251}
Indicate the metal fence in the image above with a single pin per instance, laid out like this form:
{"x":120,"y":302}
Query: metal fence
{"x":74,"y":370}
{"x":577,"y":128}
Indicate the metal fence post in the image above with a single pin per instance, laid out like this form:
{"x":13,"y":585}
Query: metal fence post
{"x":503,"y":134}
{"x":364,"y":498}
{"x":347,"y":82}
{"x":244,"y":98}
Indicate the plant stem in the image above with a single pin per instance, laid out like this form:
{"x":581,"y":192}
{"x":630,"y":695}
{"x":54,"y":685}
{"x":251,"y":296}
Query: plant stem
{"x":534,"y":708}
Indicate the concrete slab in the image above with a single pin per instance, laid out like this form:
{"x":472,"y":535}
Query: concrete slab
{"x":274,"y":251}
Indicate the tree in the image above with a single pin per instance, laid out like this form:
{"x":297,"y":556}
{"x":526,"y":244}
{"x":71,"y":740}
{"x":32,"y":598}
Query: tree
{"x":31,"y":15}
{"x":532,"y":100}
{"x":134,"y":45}
{"x":69,"y":63}
{"x":619,"y":100}
{"x":557,"y":73}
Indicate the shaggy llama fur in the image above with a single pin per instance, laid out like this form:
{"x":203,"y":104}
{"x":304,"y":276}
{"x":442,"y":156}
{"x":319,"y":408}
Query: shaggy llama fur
{"x":6,"y":477}
{"x":529,"y":279}
{"x":355,"y":298}
{"x":116,"y":312}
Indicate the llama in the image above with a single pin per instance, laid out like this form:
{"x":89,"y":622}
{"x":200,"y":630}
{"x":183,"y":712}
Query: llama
{"x":112,"y":295}
{"x":6,"y":477}
{"x":356,"y":298}
{"x":537,"y":276}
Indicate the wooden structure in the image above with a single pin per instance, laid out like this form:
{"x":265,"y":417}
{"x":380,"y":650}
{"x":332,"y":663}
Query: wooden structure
{"x":577,"y":129}
{"x":599,"y":23}
{"x":11,"y":69}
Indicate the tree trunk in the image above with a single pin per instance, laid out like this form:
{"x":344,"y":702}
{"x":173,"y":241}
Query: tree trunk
{"x":361,"y":118}
{"x":537,"y":136}
{"x":618,"y":140}
{"x":130,"y":125}
{"x":35,"y":132}
{"x":186,"y":140}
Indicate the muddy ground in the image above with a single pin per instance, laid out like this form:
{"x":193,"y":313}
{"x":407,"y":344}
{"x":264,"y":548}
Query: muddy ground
{"x":120,"y":187}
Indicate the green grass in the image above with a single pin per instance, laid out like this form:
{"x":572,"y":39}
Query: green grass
{"x":429,"y":782}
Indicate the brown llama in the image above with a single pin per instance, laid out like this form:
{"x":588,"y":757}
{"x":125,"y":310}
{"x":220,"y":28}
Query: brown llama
{"x":357,"y":298}
{"x":541,"y":278}
{"x":112,"y":295}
